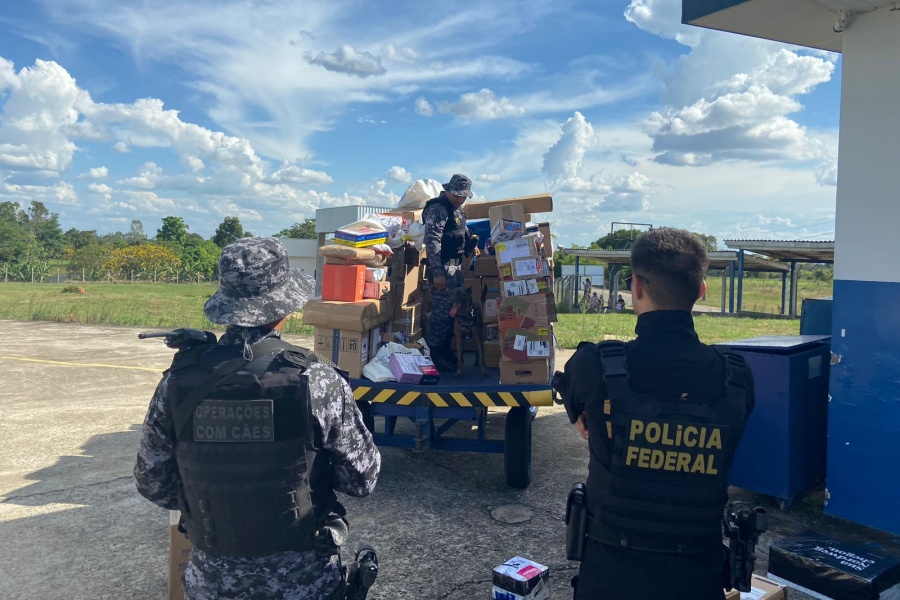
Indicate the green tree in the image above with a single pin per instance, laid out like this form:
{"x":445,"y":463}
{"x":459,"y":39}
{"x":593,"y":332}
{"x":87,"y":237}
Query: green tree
{"x":228,"y":231}
{"x":620,"y":239}
{"x":136,"y":233}
{"x":710,"y":241}
{"x":76,"y":239}
{"x":173,"y":230}
{"x":304,"y":231}
{"x":200,"y":258}
{"x":43,"y":227}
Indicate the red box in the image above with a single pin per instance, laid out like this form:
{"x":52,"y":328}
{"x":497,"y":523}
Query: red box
{"x":344,"y":283}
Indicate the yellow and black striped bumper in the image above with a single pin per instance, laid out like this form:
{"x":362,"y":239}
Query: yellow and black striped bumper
{"x":465,"y":399}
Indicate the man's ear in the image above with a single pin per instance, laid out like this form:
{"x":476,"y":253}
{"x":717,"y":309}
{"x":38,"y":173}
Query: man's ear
{"x":702,"y":290}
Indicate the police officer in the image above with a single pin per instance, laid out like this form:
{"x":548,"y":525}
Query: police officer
{"x":663,"y":415}
{"x":250,"y":438}
{"x":447,"y":241}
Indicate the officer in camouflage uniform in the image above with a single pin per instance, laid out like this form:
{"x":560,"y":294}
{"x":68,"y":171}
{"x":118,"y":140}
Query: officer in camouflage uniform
{"x":250,"y":437}
{"x":446,"y":242}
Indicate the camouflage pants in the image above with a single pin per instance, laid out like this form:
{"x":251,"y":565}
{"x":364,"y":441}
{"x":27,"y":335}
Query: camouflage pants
{"x":440,"y":327}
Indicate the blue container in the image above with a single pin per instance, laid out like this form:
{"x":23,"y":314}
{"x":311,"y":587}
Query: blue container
{"x":481,"y":228}
{"x":783,"y":448}
{"x":815,"y":316}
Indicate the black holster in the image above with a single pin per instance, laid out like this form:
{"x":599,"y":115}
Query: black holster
{"x":362,"y":574}
{"x":742,"y":527}
{"x":576,"y":521}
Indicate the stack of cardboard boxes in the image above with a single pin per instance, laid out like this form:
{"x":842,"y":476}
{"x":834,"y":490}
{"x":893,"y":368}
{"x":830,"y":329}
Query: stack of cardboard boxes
{"x":354,"y":316}
{"x":512,"y":281}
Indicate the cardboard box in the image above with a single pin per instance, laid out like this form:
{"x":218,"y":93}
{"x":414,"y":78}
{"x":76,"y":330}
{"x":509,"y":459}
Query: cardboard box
{"x":360,"y":236}
{"x":407,"y":319}
{"x":537,"y":371}
{"x":413,"y":369}
{"x":505,"y":230}
{"x":526,"y":287}
{"x":491,"y":350}
{"x":375,"y":335}
{"x":376,"y":291}
{"x":343,"y":283}
{"x":547,"y":243}
{"x":526,"y":312}
{"x":486,"y":266}
{"x":523,"y":268}
{"x":349,"y":350}
{"x":523,"y":247}
{"x":827,"y":568}
{"x":760,"y":589}
{"x":355,"y":316}
{"x":526,"y":344}
{"x":179,"y":555}
{"x":506,"y":212}
{"x":539,"y":203}
{"x":520,"y":579}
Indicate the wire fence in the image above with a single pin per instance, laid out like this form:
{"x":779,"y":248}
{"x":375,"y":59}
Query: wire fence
{"x":18,"y":273}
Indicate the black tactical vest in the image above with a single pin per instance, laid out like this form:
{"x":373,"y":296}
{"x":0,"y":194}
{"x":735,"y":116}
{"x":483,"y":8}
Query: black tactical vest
{"x":453,"y":242}
{"x":252,"y":482}
{"x":664,"y":483}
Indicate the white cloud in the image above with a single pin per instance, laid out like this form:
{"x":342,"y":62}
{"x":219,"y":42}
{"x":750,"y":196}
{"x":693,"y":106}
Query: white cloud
{"x":488,"y":178}
{"x":98,"y":173}
{"x":564,"y":159}
{"x":730,"y":97}
{"x":423,"y":107}
{"x":481,"y":105}
{"x":405,"y":55}
{"x":350,"y":61}
{"x":289,"y":173}
{"x":121,"y":148}
{"x":398,"y":174}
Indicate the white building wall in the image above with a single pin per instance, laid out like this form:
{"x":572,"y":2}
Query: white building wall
{"x":302,"y":253}
{"x":867,"y":235}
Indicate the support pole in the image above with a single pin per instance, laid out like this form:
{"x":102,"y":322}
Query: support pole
{"x":577,"y":278}
{"x":783,"y":293}
{"x":724,"y":281}
{"x":320,"y":263}
{"x":740,"y":298}
{"x":731,"y":290}
{"x":795,"y":275}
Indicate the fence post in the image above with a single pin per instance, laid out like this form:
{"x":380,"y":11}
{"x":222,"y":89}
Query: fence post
{"x":82,"y":275}
{"x":132,"y":276}
{"x":32,"y":274}
{"x":57,"y":274}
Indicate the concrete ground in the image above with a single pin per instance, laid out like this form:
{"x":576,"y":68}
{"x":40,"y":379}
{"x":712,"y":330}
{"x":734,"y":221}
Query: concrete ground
{"x":72,"y":526}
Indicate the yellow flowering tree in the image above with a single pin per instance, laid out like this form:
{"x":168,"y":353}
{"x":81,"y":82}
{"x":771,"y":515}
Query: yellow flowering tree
{"x":149,"y":261}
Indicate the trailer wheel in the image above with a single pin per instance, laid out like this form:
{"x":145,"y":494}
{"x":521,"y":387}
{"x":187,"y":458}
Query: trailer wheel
{"x":366,"y":409}
{"x":517,"y":448}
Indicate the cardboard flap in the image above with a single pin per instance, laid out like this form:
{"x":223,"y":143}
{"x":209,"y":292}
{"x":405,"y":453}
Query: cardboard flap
{"x":539,"y":203}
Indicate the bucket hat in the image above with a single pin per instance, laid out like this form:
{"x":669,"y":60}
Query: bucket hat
{"x":257,"y":285}
{"x":459,"y":185}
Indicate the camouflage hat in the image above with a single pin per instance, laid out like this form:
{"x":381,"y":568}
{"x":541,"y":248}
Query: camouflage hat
{"x":459,"y":185}
{"x":257,"y":285}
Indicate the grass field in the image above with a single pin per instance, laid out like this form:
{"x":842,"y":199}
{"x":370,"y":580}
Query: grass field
{"x":154,"y":306}
{"x":167,"y":306}
{"x":764,"y":295}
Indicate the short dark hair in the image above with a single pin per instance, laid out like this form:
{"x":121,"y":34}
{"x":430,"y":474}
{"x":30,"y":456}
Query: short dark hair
{"x":674,"y":262}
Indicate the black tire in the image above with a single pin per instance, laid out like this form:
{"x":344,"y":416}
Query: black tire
{"x":517,"y":448}
{"x":366,"y":409}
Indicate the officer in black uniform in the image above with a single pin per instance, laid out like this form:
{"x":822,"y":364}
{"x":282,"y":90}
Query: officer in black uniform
{"x":250,"y":438}
{"x":447,"y":241}
{"x":663,"y":415}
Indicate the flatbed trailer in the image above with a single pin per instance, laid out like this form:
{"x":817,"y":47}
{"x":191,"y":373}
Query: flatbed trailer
{"x":435,"y":409}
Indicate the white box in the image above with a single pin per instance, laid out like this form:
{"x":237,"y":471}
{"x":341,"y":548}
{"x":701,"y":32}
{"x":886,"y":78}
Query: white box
{"x":520,"y":579}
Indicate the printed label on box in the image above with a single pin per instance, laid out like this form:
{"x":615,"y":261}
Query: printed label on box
{"x":519,"y":344}
{"x":526,"y":268}
{"x":537,"y":349}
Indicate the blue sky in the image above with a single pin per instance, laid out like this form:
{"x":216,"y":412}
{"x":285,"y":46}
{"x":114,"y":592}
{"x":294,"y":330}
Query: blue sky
{"x":268,"y":109}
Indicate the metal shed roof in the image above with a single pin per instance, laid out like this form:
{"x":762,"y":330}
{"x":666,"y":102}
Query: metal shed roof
{"x":717,"y":260}
{"x":791,"y":251}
